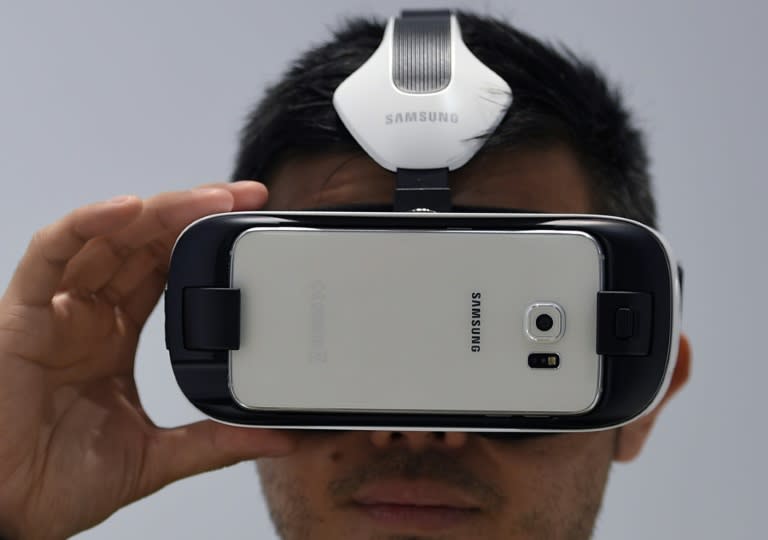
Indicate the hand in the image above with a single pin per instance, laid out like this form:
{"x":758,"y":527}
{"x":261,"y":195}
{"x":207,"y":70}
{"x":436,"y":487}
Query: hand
{"x":75,"y":444}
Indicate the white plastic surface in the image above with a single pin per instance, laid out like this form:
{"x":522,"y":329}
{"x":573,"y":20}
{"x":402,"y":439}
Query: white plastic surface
{"x":382,"y":320}
{"x":422,"y":131}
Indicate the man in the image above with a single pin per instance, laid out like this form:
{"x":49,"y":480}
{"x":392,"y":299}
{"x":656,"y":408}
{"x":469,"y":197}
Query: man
{"x":76,"y":445}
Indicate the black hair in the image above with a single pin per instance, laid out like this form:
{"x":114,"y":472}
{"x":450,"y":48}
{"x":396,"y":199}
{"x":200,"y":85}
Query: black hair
{"x":558,"y":98}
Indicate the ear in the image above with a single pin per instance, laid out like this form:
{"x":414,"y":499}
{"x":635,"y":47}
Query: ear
{"x":631,"y":438}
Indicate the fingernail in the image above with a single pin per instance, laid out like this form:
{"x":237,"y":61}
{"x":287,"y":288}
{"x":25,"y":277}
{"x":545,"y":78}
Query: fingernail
{"x":119,"y":200}
{"x":208,"y":191}
{"x":248,"y":182}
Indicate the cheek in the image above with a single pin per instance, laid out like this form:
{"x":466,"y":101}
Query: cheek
{"x":562,"y":461}
{"x":296,"y":489}
{"x":302,"y":475}
{"x":555,"y":483}
{"x":289,"y":505}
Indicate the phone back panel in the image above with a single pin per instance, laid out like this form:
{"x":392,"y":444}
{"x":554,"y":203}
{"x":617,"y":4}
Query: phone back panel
{"x":387,"y":320}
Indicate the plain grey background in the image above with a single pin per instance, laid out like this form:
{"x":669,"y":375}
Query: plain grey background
{"x":99,"y":99}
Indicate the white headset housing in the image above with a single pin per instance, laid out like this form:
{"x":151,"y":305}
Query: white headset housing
{"x":422,"y":100}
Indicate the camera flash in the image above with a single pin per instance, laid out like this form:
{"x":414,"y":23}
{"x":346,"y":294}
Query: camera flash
{"x":543,"y":361}
{"x":552,"y":361}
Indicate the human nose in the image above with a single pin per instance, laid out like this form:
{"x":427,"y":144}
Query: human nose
{"x":419,"y":440}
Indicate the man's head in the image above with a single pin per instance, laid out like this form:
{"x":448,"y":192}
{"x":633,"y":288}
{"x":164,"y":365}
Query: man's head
{"x":566,"y":145}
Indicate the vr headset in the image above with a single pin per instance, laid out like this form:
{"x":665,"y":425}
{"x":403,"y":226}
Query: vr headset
{"x":422,"y":316}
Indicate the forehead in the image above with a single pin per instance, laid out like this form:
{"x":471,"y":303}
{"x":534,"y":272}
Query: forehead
{"x":541,"y":179}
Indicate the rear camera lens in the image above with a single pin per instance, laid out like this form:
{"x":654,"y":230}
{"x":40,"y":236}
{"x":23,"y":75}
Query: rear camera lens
{"x":544,"y":322}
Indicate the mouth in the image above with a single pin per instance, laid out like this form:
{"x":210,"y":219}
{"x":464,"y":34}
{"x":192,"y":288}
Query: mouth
{"x":414,"y":505}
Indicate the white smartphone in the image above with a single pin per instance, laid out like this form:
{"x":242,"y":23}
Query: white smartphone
{"x":417,"y":321}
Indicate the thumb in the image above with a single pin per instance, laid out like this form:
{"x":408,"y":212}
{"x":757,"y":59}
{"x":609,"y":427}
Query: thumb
{"x":173,"y":454}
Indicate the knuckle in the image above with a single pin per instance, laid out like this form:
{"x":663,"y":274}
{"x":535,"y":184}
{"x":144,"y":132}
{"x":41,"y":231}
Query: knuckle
{"x":38,"y":242}
{"x":38,"y":237}
{"x":162,"y":219}
{"x":111,"y":294}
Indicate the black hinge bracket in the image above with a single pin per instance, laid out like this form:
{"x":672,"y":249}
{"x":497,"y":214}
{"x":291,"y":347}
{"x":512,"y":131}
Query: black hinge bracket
{"x":624,"y":323}
{"x":211,"y":319}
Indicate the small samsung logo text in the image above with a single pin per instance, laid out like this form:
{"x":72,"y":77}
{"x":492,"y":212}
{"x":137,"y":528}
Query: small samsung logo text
{"x":476,"y":320}
{"x":434,"y":117}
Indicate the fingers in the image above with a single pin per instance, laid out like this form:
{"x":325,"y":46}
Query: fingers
{"x":247,"y":194}
{"x":166,"y":215}
{"x":114,"y":265}
{"x":208,"y":445}
{"x":119,"y":249}
{"x":41,"y":268}
{"x":170,"y":212}
{"x":92,"y":267}
{"x":156,"y":253}
{"x":139,"y":303}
